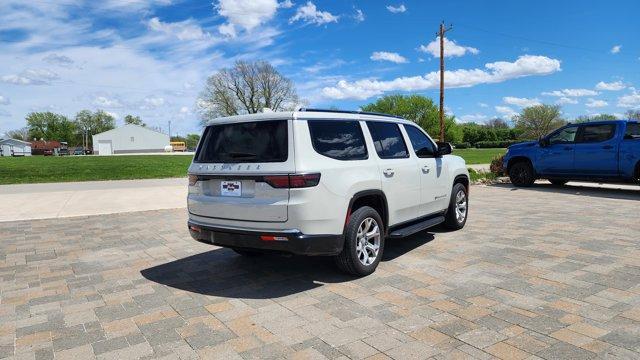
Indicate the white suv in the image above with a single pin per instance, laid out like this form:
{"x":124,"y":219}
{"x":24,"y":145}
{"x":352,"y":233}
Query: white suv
{"x":319,"y":182}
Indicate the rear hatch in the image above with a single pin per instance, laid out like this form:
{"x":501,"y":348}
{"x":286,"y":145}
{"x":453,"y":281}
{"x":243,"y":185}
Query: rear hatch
{"x":238,"y":170}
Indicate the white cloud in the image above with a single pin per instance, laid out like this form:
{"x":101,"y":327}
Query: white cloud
{"x":631,"y":100}
{"x":566,"y":100}
{"x":4,"y":100}
{"x":483,"y":105}
{"x":571,"y":93}
{"x":616,"y":49}
{"x":185,"y":110}
{"x":506,"y":111}
{"x":473,"y":118}
{"x":107,"y":102}
{"x":388,"y":56}
{"x":56,"y":59}
{"x":359,"y":16}
{"x":31,"y":77}
{"x":521,"y":102}
{"x":451,"y":48}
{"x":152,"y":102}
{"x":397,"y":9}
{"x":182,"y":30}
{"x":594,"y":103}
{"x":309,"y":14}
{"x":526,"y":65}
{"x":245,"y":14}
{"x":286,"y":4}
{"x":612,"y":86}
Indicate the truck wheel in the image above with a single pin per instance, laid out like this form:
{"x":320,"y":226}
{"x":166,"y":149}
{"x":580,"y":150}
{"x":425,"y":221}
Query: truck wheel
{"x":363,"y":243}
{"x":521,"y":174}
{"x":556,"y":182}
{"x":458,"y":210}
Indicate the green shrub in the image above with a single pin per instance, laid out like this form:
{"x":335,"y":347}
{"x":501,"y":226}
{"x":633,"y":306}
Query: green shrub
{"x":476,"y":176}
{"x":496,"y":166}
{"x":463,"y":145}
{"x":496,"y":144}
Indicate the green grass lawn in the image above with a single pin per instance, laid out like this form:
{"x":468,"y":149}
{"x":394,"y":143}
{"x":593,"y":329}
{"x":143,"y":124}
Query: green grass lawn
{"x":40,"y":169}
{"x":479,"y":156}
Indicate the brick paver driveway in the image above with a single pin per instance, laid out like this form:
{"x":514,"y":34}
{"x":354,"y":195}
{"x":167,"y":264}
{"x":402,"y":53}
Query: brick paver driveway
{"x":542,"y":272}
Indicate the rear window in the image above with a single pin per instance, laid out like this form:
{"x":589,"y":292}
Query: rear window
{"x":247,"y":142}
{"x":597,"y":133}
{"x":388,"y":140}
{"x":633,"y":131}
{"x":341,"y":140}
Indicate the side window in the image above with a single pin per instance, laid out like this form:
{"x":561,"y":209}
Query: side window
{"x":388,"y":140}
{"x":566,"y":135}
{"x":596,"y":133}
{"x":633,"y":131}
{"x":421,"y":144}
{"x":341,"y":140}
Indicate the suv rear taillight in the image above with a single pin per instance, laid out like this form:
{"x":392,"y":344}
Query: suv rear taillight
{"x":293,"y":181}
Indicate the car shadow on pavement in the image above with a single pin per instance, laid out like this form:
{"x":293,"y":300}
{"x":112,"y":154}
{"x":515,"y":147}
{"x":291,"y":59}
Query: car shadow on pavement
{"x":580,"y":190}
{"x":222,"y":272}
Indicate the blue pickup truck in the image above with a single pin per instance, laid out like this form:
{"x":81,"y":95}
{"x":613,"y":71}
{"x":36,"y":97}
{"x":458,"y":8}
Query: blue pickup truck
{"x":604,"y":151}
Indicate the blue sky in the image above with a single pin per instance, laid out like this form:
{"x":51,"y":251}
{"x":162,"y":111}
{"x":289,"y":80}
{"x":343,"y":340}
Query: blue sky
{"x":151,"y":57}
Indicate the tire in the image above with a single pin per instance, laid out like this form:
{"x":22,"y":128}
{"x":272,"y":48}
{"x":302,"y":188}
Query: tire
{"x":557,"y":182}
{"x":521,"y":174}
{"x":458,"y":210}
{"x":247,"y":253}
{"x":354,"y":259}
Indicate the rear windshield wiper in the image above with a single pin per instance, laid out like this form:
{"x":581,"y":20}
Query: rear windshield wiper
{"x":235,"y":154}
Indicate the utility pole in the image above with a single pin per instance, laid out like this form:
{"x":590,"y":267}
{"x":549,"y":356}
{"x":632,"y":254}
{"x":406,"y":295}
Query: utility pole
{"x":169,"y":130}
{"x":440,"y":34}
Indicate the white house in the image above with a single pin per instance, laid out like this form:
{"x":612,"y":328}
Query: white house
{"x":129,"y":139}
{"x":14,"y":147}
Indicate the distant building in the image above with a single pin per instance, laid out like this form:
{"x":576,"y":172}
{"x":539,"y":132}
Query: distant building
{"x":129,"y":139}
{"x":39,"y":147}
{"x":14,"y":147}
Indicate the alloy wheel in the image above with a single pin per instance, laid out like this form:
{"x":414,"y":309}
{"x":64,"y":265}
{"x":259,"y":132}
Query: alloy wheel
{"x":368,"y":241}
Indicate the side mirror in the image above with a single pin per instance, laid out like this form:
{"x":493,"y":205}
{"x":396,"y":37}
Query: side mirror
{"x":444,"y":148}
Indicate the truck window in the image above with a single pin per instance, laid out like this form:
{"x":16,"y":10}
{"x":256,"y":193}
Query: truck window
{"x":421,"y":144}
{"x":633,"y":131}
{"x":563,"y":136}
{"x":597,"y":133}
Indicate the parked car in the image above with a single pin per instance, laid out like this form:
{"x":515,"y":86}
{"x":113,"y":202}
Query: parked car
{"x":318,"y":182}
{"x":47,"y":152}
{"x":606,"y":151}
{"x":64,"y":149}
{"x":79,"y":151}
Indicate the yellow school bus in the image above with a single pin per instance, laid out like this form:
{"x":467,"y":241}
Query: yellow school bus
{"x":178,"y":146}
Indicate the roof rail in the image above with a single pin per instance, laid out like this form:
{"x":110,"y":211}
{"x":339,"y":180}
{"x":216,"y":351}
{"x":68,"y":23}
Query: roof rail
{"x":350,"y":112}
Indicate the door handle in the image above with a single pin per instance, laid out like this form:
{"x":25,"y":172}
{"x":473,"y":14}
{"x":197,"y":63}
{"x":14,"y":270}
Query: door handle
{"x":388,"y":172}
{"x":608,"y":147}
{"x":426,"y":169}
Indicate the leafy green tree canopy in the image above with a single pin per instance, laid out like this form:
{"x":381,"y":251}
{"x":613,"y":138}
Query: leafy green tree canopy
{"x":599,"y":117}
{"x":51,"y":126}
{"x":539,"y":120}
{"x":419,"y":109}
{"x":134,"y":120}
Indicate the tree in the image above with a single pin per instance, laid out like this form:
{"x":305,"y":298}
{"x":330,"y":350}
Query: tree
{"x":633,"y":115}
{"x":539,"y":120}
{"x":19,"y":134}
{"x":246,"y":88}
{"x":599,"y":117}
{"x":93,"y":123}
{"x":134,"y":120}
{"x":51,"y":126}
{"x":497,"y":123}
{"x":420,"y":110}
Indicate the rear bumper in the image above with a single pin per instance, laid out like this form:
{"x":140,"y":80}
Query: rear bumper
{"x":292,"y":241}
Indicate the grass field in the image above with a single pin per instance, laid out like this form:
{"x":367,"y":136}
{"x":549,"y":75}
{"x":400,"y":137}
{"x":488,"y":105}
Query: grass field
{"x":479,"y":156}
{"x":40,"y":169}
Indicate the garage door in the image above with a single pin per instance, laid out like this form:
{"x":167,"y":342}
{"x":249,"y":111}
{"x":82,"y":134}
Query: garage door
{"x":104,"y":148}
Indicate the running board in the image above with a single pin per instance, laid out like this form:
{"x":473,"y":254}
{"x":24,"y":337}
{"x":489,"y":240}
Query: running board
{"x":412,"y":229}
